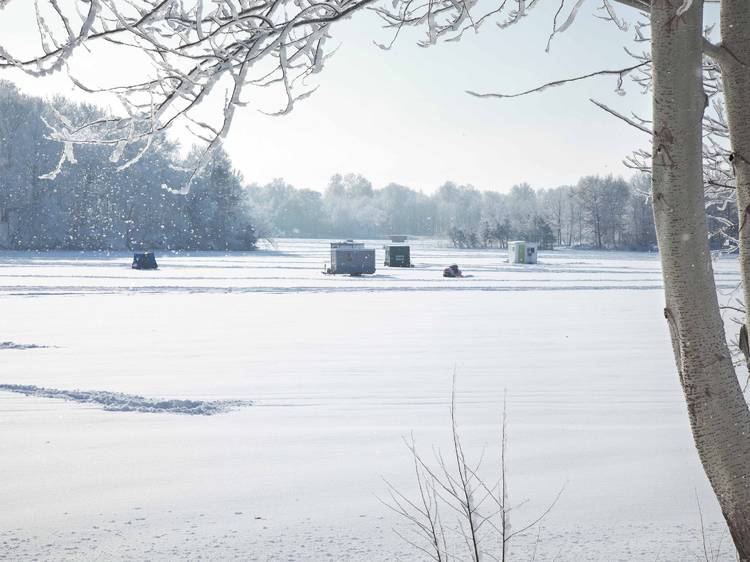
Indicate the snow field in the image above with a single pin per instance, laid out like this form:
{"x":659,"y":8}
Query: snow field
{"x":339,"y":369}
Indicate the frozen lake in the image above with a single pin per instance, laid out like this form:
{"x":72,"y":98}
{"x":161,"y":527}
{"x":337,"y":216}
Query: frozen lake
{"x":339,"y":370}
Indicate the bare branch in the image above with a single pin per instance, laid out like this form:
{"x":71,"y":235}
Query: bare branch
{"x":627,"y":120}
{"x":619,"y":73}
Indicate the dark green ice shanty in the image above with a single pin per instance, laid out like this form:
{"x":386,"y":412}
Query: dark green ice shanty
{"x":397,"y":256}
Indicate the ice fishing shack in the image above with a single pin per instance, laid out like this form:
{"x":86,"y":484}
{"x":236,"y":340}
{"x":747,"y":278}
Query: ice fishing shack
{"x":522,"y":252}
{"x":144,"y":260}
{"x":397,"y":255}
{"x":351,"y":258}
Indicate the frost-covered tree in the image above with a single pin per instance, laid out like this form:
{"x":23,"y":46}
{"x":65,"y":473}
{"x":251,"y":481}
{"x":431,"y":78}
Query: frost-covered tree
{"x":523,"y":208}
{"x":94,"y":206}
{"x":218,"y":208}
{"x":281,"y":210}
{"x":401,"y":208}
{"x":603,"y":202}
{"x":350,"y":203}
{"x":457,"y":206}
{"x":193,"y":62}
{"x":553,"y":205}
{"x":640,"y":214}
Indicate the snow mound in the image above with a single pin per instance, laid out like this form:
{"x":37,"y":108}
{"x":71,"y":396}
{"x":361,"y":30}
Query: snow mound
{"x":119,"y":402}
{"x":11,"y":345}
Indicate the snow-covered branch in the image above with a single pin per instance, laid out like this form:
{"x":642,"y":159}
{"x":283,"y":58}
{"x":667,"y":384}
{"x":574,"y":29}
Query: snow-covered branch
{"x":620,"y":73}
{"x":199,"y":55}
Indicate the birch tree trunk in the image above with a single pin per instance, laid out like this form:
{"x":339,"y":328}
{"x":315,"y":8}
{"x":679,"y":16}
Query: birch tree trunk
{"x":734,"y":60}
{"x":718,"y":413}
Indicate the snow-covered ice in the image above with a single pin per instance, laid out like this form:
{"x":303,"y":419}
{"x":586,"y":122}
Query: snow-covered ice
{"x":338,"y":369}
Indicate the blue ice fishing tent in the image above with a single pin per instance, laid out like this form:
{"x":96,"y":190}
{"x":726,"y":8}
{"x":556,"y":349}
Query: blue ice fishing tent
{"x":144,"y":260}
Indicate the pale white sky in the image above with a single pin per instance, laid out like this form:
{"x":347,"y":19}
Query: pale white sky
{"x":402,"y":115}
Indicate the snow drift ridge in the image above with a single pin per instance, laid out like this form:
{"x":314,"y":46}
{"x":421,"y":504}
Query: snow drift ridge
{"x":11,"y":345}
{"x":120,"y":402}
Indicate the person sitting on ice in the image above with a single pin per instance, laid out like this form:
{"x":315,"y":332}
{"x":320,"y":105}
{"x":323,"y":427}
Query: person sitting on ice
{"x":452,"y":271}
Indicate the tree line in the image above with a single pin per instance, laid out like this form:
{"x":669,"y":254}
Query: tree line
{"x":597,"y":212}
{"x":96,"y":205}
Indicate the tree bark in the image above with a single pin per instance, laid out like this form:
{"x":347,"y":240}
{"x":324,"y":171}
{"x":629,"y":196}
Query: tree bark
{"x":717,"y":410}
{"x":734,"y":61}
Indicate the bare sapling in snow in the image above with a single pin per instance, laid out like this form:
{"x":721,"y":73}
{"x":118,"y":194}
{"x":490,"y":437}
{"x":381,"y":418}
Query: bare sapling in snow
{"x":709,"y":552}
{"x":458,"y":513}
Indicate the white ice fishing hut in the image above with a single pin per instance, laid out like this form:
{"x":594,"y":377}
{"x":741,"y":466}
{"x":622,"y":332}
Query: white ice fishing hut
{"x":351,"y":258}
{"x":522,"y":252}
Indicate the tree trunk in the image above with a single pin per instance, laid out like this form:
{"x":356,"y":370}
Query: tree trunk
{"x":718,"y":413}
{"x":735,"y":72}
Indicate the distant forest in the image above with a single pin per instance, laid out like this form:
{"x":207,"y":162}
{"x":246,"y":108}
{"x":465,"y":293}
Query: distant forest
{"x":92,"y":205}
{"x":598,"y":212}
